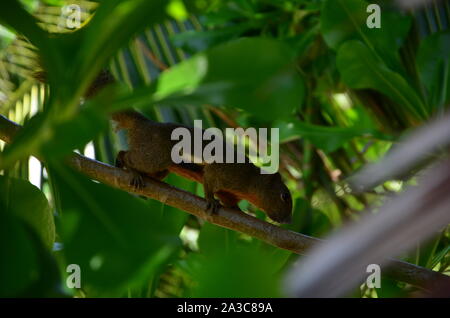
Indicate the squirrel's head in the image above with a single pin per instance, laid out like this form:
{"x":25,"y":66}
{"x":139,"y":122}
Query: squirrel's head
{"x":276,"y":200}
{"x":127,"y":119}
{"x":122,"y":120}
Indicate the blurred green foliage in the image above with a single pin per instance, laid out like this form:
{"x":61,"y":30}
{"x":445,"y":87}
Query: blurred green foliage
{"x":340,"y":93}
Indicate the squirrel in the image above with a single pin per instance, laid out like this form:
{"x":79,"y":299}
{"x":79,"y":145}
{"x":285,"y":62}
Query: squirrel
{"x":149,"y":153}
{"x":150,"y":147}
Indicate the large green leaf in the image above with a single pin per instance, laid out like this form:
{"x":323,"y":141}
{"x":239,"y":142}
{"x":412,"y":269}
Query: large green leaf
{"x":229,"y":267}
{"x":344,"y":20}
{"x":74,"y":134}
{"x":57,"y":141}
{"x":196,"y":41}
{"x":433,"y":64}
{"x":361,"y":69}
{"x":16,"y":17}
{"x":216,"y":240}
{"x":116,"y":239}
{"x":326,"y":138}
{"x":115,"y":19}
{"x":27,"y":268}
{"x":24,"y":200}
{"x":27,"y":233}
{"x":171,"y":216}
{"x":254,"y":74}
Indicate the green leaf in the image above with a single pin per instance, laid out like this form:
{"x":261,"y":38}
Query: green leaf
{"x":52,"y":139}
{"x":6,"y":37}
{"x":433,"y":64}
{"x":118,"y":20}
{"x":24,"y":200}
{"x":240,"y":273}
{"x":19,"y":258}
{"x":196,"y":41}
{"x":228,"y":267}
{"x":27,"y":268}
{"x":173,"y":217}
{"x":58,"y":3}
{"x":214,"y":239}
{"x":361,"y":69}
{"x":254,"y":74}
{"x":344,"y":20}
{"x":74,"y":134}
{"x":308,"y":220}
{"x":326,"y":138}
{"x":116,"y":239}
{"x":27,"y":141}
{"x":16,"y":17}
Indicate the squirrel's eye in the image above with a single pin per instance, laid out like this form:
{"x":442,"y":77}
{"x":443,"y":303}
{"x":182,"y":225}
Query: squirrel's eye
{"x":284,"y":196}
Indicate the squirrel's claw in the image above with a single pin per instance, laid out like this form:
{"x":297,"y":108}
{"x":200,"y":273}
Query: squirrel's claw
{"x":137,"y":181}
{"x":212,"y":206}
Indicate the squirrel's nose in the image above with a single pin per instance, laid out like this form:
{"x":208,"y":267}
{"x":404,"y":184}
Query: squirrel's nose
{"x":287,"y":220}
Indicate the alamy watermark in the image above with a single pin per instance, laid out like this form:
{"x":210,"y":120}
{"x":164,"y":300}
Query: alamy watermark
{"x":374,"y":279}
{"x":74,"y":278}
{"x":374,"y":19}
{"x":71,"y":16}
{"x":223,"y":149}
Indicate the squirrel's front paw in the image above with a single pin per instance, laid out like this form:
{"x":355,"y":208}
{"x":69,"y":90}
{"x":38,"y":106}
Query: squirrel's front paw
{"x":137,"y":181}
{"x":212,"y":206}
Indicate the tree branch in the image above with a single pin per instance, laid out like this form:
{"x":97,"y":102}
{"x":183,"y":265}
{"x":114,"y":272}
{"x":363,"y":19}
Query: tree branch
{"x":228,"y":218}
